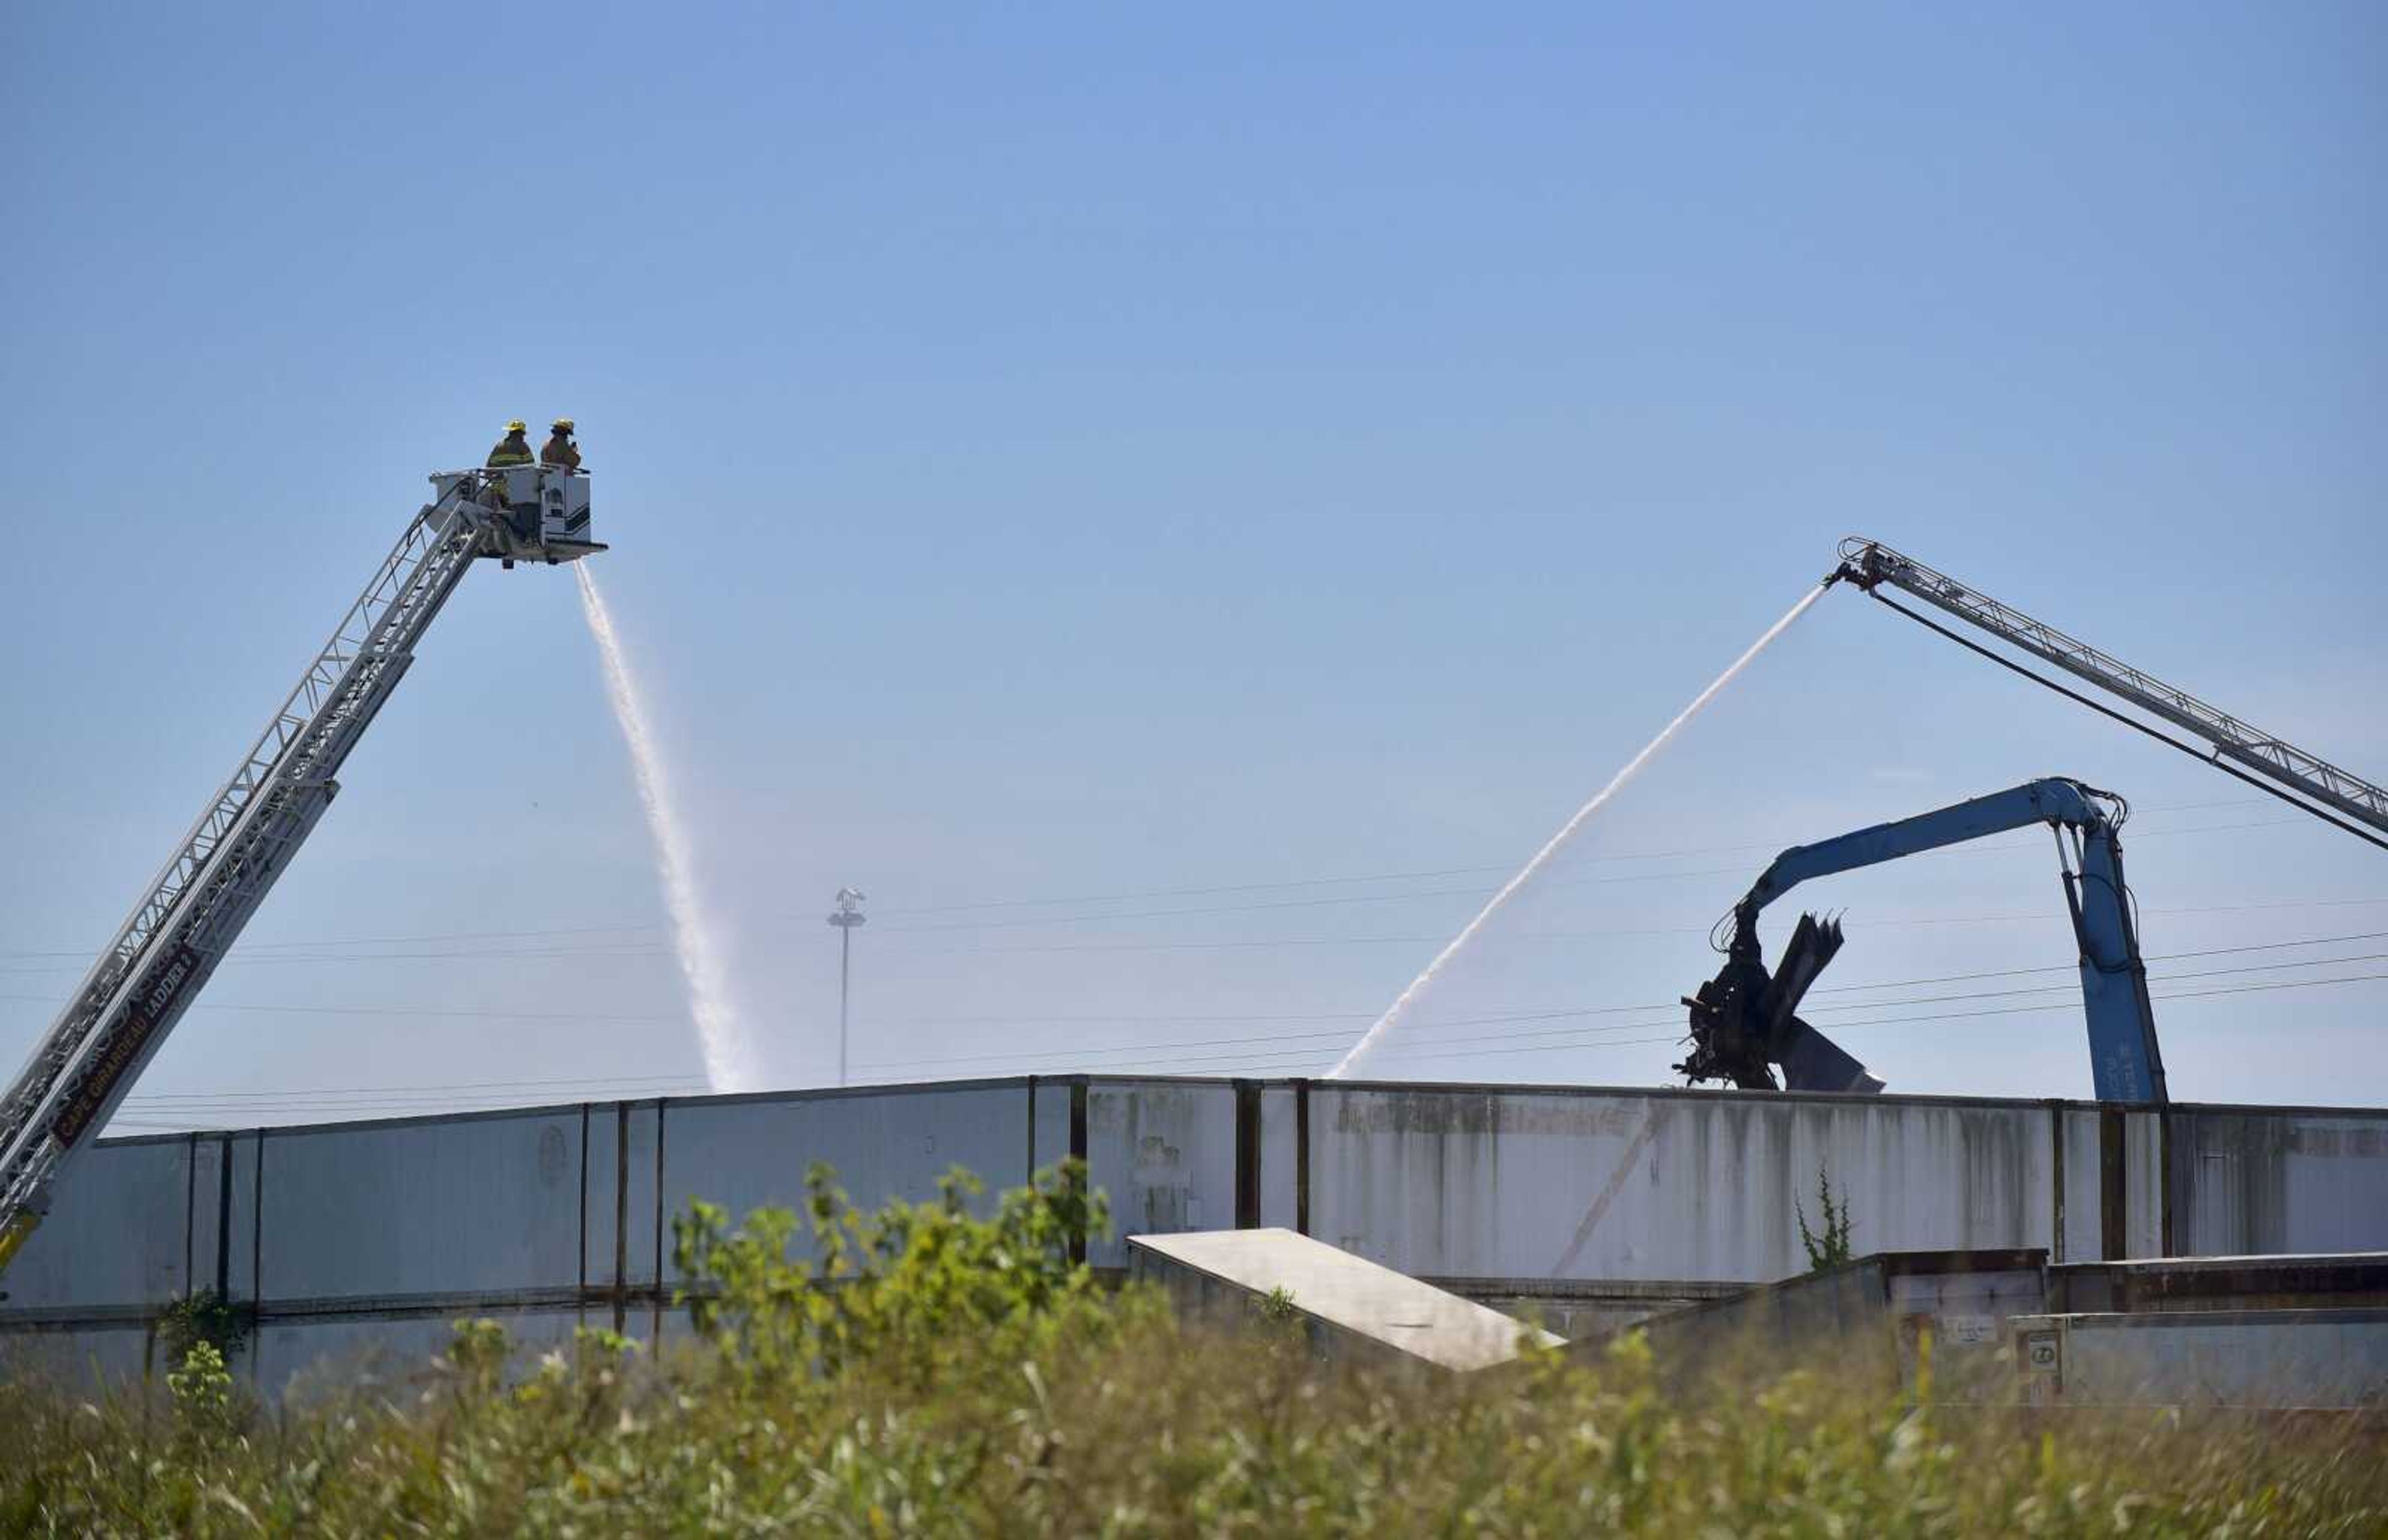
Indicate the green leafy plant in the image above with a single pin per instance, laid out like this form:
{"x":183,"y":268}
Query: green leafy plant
{"x":1275,"y":1319}
{"x":948,"y":1369}
{"x":204,"y":1316}
{"x":206,"y":1408}
{"x":891,"y":1287}
{"x":1831,"y":1248}
{"x":478,"y":1350}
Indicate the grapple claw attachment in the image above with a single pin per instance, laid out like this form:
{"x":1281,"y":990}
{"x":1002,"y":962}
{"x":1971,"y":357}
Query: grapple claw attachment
{"x":1746,"y":1019}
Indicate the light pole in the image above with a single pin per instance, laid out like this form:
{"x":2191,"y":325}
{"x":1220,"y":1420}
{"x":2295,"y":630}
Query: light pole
{"x":847,"y":914}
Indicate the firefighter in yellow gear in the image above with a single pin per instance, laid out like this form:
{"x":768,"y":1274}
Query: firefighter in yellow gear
{"x":559,"y":450}
{"x":514,"y":449}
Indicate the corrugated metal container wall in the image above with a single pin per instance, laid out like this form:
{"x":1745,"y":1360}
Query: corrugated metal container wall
{"x":1050,"y":1118}
{"x":1447,"y":1181}
{"x":484,"y":1203}
{"x":86,"y":1356}
{"x":2083,"y":1236}
{"x":2144,"y":1194}
{"x":1166,"y":1152}
{"x":1282,"y":1152}
{"x":236,"y":1212}
{"x":2264,"y":1182}
{"x":743,"y":1153}
{"x":2301,"y":1360}
{"x":618,"y":1232}
{"x":333,"y":1356}
{"x":539,"y":1208}
{"x":119,"y":1231}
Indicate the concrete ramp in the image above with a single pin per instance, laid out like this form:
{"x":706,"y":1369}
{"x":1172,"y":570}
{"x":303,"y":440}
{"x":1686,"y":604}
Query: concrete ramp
{"x":1352,"y":1307}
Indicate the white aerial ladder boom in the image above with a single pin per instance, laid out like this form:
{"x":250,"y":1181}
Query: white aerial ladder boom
{"x":1870,"y":564}
{"x":191,"y":914}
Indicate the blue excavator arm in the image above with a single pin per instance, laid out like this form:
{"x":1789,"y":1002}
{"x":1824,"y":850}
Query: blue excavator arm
{"x":1744,"y":1019}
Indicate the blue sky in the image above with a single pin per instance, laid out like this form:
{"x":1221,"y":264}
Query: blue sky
{"x":1056,"y":453}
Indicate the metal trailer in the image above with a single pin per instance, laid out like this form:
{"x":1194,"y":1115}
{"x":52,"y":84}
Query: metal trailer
{"x":2269,"y":1360}
{"x":2335,"y":1281}
{"x":1985,"y":1315}
{"x":1872,"y":1320}
{"x":1587,"y":1203}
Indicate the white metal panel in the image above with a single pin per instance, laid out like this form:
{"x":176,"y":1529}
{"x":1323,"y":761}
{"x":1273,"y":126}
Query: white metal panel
{"x":2260,"y":1182}
{"x":1453,"y":1182}
{"x":299,"y":1360}
{"x":600,"y":1192}
{"x":1967,"y":1310}
{"x":646,"y":1230}
{"x":239,"y":1223}
{"x":210,"y":1214}
{"x":480,"y":1202}
{"x":117,"y":1232}
{"x":2244,"y":1358}
{"x":2143,"y":1196}
{"x":2084,"y":1203}
{"x":2335,"y":1185}
{"x":1051,"y":1116}
{"x":1281,"y":1152}
{"x":1166,"y":1154}
{"x":751,"y":1152}
{"x":88,"y":1357}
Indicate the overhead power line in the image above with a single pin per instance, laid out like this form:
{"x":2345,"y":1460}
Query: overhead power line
{"x":1501,"y":870}
{"x":1046,"y":1018}
{"x":1471,"y":892}
{"x":1576,"y":1040}
{"x":1266,"y":943}
{"x":1275,"y":1061}
{"x":1441,"y":1032}
{"x":1967,"y":1016}
{"x":1499,"y":1018}
{"x":1200,"y":1063}
{"x":2074,"y":967}
{"x":572,"y":1081}
{"x":252,"y":951}
{"x":1433,"y":1030}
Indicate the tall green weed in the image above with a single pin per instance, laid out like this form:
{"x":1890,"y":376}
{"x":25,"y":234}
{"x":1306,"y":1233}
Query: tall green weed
{"x":921,"y":1371}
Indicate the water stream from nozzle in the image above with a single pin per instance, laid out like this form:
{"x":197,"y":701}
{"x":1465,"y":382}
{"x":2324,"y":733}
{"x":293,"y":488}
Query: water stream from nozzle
{"x":1373,"y":1038}
{"x":728,"y":1057}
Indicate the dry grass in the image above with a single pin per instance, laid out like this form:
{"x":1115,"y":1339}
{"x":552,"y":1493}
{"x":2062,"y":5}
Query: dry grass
{"x":964,"y":1379}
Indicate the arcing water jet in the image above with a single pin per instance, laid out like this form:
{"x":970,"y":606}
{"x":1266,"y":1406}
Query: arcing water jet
{"x":1372,"y":1039}
{"x":728,"y":1056}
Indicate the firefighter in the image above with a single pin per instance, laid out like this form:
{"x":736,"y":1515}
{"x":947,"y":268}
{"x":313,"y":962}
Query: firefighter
{"x":559,"y":448}
{"x":514,"y":449}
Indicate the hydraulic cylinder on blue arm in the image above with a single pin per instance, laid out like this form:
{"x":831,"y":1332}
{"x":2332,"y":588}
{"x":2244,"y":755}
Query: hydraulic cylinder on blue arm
{"x":1743,"y":1020}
